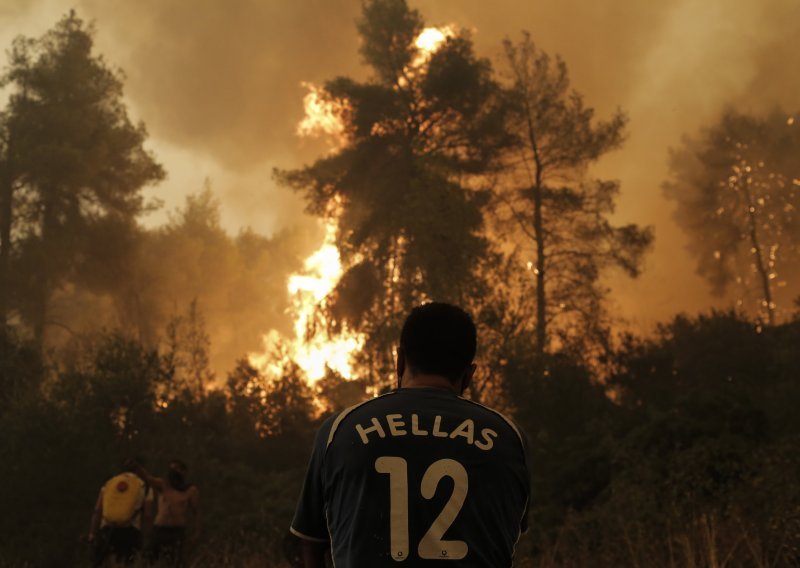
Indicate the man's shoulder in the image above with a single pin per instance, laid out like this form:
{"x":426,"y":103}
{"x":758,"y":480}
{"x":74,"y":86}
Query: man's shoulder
{"x":398,"y":410}
{"x":126,"y":476}
{"x":331,"y":424}
{"x":498,"y":416}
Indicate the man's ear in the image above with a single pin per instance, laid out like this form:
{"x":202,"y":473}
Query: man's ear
{"x":401,"y":364}
{"x":466,"y":378}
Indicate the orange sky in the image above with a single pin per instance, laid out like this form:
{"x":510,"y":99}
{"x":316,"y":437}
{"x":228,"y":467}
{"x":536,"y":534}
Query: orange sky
{"x":219,"y":86}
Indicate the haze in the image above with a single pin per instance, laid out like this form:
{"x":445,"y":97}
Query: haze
{"x":219,"y":86}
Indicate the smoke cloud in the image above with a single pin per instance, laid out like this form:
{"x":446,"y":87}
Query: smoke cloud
{"x":219,"y":85}
{"x":673,"y":67}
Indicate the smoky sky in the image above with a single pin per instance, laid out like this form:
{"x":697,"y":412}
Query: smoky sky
{"x":219,"y":86}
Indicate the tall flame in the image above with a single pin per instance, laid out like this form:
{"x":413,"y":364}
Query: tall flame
{"x":323,"y":116}
{"x":313,"y":352}
{"x":427,"y":43}
{"x":429,"y":40}
{"x":311,"y":348}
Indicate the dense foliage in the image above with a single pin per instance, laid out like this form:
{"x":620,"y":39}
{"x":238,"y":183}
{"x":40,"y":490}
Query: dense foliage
{"x":67,"y":430}
{"x":676,"y":449}
{"x":690,"y":465}
{"x":736,"y":184}
{"x":687,"y":456}
{"x":547,"y":204}
{"x":72,"y":166}
{"x":74,"y":256}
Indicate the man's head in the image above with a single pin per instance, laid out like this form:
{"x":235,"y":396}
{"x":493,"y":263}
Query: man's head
{"x":438,"y":340}
{"x":177,"y":474}
{"x":133,"y":464}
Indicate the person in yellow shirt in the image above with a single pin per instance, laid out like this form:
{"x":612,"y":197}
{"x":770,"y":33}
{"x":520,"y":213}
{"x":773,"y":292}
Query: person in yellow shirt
{"x":121,"y":513}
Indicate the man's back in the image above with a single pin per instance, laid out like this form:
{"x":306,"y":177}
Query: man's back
{"x":418,"y":475}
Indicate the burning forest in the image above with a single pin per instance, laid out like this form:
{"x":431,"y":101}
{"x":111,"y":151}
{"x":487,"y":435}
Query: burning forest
{"x":213,"y":228}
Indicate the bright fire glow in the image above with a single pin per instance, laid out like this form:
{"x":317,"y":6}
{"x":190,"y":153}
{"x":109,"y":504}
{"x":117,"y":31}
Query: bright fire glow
{"x":309,"y":289}
{"x":429,"y":40}
{"x":323,"y":116}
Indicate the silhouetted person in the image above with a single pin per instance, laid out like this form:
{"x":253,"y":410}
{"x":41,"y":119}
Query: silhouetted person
{"x":123,"y":503}
{"x":178,"y":512}
{"x":420,"y":474}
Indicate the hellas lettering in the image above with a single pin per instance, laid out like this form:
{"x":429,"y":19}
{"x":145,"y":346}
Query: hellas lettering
{"x":398,"y":425}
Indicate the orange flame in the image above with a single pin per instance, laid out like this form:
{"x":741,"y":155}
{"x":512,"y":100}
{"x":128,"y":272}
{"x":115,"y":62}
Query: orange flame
{"x":429,"y":40}
{"x":427,"y":43}
{"x":316,"y":352}
{"x":325,"y":116}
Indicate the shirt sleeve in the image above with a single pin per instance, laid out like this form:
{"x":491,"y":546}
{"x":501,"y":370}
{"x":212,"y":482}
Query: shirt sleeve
{"x":309,"y":519}
{"x":523,"y":525}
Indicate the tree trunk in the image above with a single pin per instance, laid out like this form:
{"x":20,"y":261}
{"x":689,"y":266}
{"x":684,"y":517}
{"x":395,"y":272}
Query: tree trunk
{"x":40,"y":310}
{"x":756,"y":246}
{"x":6,"y":195}
{"x":538,"y":231}
{"x":42,"y":288}
{"x":541,"y":297}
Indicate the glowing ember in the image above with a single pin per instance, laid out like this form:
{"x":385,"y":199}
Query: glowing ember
{"x":323,"y":115}
{"x":315,"y":352}
{"x":428,"y":41}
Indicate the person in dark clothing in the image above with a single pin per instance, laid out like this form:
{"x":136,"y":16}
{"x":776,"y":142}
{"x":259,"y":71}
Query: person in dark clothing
{"x":420,"y":474}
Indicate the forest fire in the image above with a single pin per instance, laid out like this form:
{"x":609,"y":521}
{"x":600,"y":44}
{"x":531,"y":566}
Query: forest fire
{"x":323,"y":116}
{"x":429,"y":40}
{"x":311,"y":348}
{"x":619,"y":214}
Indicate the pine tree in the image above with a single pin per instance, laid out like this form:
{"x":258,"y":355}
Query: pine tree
{"x":403,"y":185}
{"x":71,"y":160}
{"x":737,"y":188}
{"x":556,"y":215}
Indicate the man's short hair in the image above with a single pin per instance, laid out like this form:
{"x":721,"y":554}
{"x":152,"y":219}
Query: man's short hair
{"x":439,"y":339}
{"x":132,"y":463}
{"x":180,"y":464}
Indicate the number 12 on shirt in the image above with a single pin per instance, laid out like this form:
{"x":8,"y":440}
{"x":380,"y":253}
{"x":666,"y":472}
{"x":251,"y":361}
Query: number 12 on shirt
{"x":431,"y":546}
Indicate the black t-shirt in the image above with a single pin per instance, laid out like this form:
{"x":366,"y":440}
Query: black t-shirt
{"x":419,"y":476}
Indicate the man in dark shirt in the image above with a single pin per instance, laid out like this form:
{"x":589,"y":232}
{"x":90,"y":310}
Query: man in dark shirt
{"x":419,"y":475}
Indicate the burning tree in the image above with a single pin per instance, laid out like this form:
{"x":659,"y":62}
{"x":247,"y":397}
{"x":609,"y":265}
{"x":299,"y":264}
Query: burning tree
{"x":546,"y":201}
{"x":400,"y":186}
{"x":737,"y":188}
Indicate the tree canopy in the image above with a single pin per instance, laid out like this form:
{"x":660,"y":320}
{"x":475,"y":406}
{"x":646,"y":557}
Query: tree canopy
{"x":74,"y":164}
{"x":404,"y":187}
{"x":552,"y":209}
{"x":737,"y":189}
{"x":449,"y":182}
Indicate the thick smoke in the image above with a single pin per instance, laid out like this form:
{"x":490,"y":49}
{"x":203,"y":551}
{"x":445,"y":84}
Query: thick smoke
{"x":673,"y":67}
{"x":221,"y":82}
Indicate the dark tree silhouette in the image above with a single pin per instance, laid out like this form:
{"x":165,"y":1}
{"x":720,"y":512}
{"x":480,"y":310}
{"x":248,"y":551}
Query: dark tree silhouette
{"x":71,"y":160}
{"x":560,"y":217}
{"x":403,"y":188}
